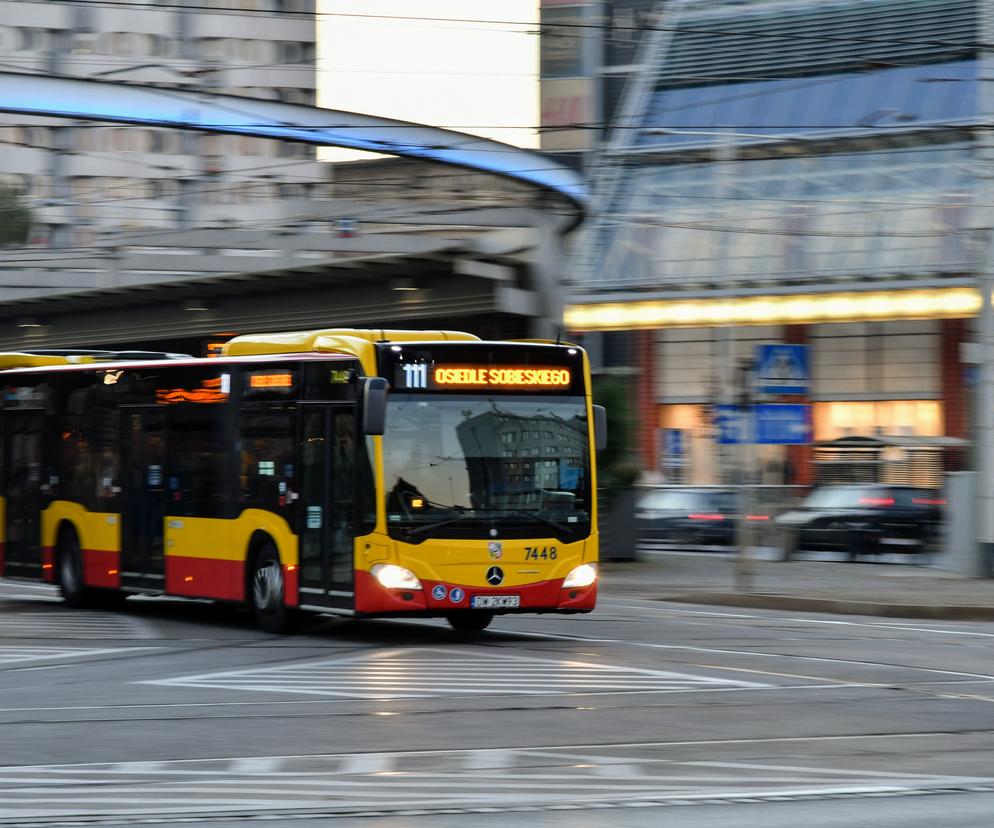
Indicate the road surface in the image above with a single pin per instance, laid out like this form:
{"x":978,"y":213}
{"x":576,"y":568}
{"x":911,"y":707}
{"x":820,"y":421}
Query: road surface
{"x":639,"y":714}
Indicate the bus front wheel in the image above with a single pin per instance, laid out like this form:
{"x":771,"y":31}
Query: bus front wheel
{"x":267,"y":591}
{"x":470,"y":621}
{"x":69,"y":563}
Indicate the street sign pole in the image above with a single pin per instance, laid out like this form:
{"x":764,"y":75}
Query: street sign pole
{"x":743,"y":534}
{"x":724,"y":160}
{"x":984,"y":426}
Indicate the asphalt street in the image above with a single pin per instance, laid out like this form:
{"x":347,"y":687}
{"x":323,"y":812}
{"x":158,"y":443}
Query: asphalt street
{"x":641,"y":713}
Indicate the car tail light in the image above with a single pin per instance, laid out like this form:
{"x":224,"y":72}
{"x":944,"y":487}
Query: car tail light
{"x":876,"y":501}
{"x":706,"y":516}
{"x":757,"y":517}
{"x":929,"y":501}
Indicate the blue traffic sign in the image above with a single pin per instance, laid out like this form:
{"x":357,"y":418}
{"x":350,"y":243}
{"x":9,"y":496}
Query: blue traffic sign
{"x":731,"y":424}
{"x":782,"y":369}
{"x":673,"y":442}
{"x":673,"y":447}
{"x":778,"y":424}
{"x":766,"y":424}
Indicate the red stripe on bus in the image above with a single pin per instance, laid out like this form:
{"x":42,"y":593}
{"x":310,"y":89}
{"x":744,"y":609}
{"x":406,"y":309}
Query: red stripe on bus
{"x":101,"y":568}
{"x":291,"y":578}
{"x":205,"y":578}
{"x":373,"y":599}
{"x":48,"y":564}
{"x":578,"y":598}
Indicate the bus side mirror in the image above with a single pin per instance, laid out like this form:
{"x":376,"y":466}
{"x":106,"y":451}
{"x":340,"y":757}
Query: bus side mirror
{"x":374,"y":405}
{"x":600,"y":427}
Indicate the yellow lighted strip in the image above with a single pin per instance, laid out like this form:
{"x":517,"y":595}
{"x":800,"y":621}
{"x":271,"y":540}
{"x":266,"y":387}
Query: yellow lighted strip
{"x":869,"y":306}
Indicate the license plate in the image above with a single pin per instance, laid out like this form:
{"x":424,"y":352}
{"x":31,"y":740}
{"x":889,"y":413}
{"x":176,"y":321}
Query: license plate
{"x":495,"y":601}
{"x":900,"y":542}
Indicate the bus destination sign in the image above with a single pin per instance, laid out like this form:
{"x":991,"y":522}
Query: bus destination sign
{"x":504,"y":377}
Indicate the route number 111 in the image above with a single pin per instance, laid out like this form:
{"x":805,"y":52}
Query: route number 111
{"x":416,"y":376}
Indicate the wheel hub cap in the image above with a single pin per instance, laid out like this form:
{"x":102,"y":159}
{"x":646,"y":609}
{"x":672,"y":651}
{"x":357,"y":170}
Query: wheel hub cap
{"x":268,"y":586}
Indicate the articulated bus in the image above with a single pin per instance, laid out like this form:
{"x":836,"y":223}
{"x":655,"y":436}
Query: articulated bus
{"x":348,"y":472}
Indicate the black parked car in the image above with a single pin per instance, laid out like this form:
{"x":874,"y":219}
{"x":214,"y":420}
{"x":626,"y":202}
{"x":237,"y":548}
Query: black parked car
{"x":867,"y":518}
{"x":687,"y":516}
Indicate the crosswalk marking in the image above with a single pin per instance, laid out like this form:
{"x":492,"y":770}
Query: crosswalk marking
{"x":427,"y":673}
{"x":506,"y":777}
{"x":11,"y":655}
{"x":62,"y":624}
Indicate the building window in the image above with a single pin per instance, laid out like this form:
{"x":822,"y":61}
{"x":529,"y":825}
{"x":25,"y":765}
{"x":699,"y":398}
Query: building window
{"x":895,"y":418}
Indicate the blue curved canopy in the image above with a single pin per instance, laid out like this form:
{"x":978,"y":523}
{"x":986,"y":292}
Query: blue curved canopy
{"x":156,"y":106}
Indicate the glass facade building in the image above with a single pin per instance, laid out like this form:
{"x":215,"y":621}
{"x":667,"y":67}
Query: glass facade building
{"x":783,"y":148}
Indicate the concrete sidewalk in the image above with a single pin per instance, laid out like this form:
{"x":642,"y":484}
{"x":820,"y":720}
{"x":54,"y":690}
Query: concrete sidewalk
{"x":850,"y":588}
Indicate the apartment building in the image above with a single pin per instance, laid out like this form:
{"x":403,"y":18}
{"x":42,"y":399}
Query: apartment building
{"x":87,"y":181}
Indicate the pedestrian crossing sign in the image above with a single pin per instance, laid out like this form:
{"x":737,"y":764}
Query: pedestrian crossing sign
{"x":782,"y":369}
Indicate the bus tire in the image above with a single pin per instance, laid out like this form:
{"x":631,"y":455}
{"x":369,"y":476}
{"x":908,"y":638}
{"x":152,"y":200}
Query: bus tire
{"x":469,"y":621}
{"x":267,"y":591}
{"x":69,"y":570}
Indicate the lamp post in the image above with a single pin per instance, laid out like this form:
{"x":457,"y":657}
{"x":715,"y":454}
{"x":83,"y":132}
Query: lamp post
{"x":985,"y":278}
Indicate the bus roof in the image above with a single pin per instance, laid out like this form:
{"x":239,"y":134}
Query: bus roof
{"x":340,"y":340}
{"x":319,"y":344}
{"x":27,"y":363}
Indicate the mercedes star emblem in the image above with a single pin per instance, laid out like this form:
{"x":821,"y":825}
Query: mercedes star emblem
{"x":495,"y":576}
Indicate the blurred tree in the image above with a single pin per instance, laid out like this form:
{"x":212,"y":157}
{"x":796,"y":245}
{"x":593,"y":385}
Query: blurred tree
{"x":617,"y":467}
{"x":15,"y":218}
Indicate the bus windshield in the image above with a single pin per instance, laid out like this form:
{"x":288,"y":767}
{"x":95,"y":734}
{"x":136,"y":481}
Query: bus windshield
{"x":462,"y":466}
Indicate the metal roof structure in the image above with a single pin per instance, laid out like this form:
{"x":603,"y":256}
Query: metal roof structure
{"x":732,"y":41}
{"x":63,"y":97}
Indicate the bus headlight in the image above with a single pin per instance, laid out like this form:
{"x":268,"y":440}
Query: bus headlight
{"x":582,"y":576}
{"x":392,"y":576}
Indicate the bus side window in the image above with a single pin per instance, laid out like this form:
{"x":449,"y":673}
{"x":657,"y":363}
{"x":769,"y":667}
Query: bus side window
{"x":75,"y":452}
{"x":198,"y":463}
{"x":266,"y":436}
{"x":105,"y":460}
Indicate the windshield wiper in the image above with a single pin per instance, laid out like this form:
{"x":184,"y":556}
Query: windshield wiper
{"x":526,"y":513}
{"x":417,"y":530}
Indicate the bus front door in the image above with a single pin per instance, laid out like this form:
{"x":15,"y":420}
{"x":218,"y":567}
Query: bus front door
{"x":22,"y":492}
{"x":326,"y":505}
{"x":143,"y":460}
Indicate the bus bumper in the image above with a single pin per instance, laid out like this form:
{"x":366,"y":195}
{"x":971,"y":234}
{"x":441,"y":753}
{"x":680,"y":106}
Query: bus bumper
{"x":438,"y":598}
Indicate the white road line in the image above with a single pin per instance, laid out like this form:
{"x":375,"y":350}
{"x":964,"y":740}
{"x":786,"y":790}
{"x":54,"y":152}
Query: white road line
{"x":47,"y":625}
{"x":759,"y":654}
{"x":781,"y":616}
{"x":803,"y":769}
{"x":4,"y":584}
{"x":428,"y":672}
{"x":14,"y":656}
{"x":410,"y":779}
{"x":534,"y":750}
{"x":489,"y":759}
{"x":256,"y":765}
{"x":135,"y":767}
{"x":368,"y":763}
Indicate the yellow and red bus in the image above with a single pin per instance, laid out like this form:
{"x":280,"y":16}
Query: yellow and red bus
{"x":350,"y":472}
